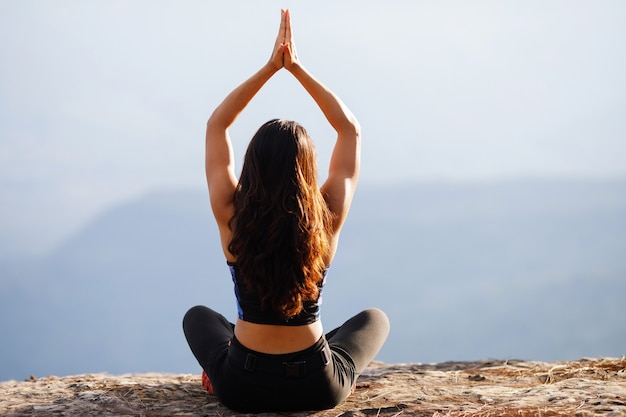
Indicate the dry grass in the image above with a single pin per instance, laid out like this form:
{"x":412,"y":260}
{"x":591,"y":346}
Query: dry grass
{"x":584,"y":388}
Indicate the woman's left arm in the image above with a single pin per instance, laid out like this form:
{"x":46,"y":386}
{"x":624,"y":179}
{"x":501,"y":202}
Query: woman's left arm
{"x":219,"y":161}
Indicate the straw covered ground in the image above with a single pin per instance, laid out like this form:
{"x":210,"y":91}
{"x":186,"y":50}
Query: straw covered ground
{"x":583,"y":388}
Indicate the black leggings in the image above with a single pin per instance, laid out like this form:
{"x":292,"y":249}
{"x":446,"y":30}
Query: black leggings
{"x":317,"y":378}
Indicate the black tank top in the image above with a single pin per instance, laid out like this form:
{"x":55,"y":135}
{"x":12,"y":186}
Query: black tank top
{"x":249,"y":305}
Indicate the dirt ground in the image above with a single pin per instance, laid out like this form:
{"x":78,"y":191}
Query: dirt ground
{"x":583,"y":388}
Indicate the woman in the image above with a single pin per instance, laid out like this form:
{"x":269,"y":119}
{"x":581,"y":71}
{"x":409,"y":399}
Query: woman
{"x":279,"y":233}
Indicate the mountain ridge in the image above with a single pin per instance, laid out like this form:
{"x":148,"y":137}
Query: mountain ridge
{"x":490,"y":270}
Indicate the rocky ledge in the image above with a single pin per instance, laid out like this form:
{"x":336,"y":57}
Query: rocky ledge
{"x":587,"y":387}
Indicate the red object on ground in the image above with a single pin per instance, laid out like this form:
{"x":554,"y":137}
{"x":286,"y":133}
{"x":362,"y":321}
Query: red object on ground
{"x":206,"y":383}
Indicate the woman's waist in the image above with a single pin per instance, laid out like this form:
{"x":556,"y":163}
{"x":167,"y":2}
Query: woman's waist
{"x":297,"y":364}
{"x":277,"y":339}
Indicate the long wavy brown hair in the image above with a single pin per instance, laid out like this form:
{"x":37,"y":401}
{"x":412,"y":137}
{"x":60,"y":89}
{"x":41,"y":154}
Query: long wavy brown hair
{"x":281,"y":224}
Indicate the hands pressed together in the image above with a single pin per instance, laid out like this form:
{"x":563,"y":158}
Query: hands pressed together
{"x":284,"y":54}
{"x":345,"y":158}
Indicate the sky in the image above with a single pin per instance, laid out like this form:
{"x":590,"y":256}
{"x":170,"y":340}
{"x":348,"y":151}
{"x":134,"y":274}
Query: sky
{"x":104,"y":101}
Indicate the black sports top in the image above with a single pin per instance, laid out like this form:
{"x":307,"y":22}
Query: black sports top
{"x":249,"y":306}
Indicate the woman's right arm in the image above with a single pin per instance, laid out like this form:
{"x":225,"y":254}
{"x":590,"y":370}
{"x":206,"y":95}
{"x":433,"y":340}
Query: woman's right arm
{"x":343,"y":172}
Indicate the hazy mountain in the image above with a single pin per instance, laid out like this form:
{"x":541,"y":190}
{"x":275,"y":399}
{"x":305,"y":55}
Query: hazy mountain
{"x":533,"y":270}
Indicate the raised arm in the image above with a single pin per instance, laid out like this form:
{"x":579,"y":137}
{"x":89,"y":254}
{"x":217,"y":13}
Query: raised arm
{"x":219,"y":162}
{"x":343,"y":172}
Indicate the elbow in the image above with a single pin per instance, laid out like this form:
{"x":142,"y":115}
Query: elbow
{"x":218,"y":121}
{"x":351,"y":128}
{"x":356,"y":131}
{"x":357,"y":128}
{"x":212,"y":122}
